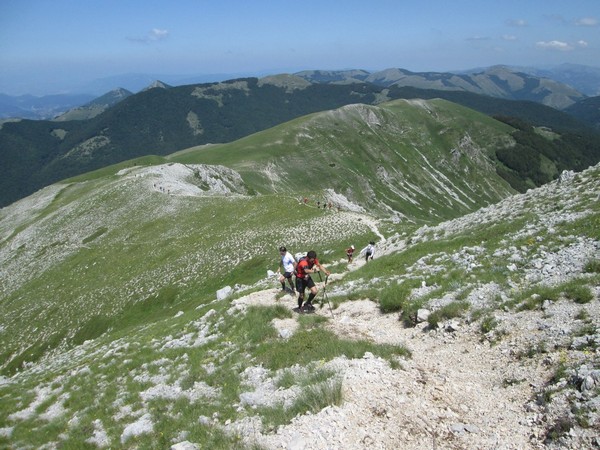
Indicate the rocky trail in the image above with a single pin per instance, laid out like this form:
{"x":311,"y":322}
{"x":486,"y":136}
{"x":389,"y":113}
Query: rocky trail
{"x":457,"y":391}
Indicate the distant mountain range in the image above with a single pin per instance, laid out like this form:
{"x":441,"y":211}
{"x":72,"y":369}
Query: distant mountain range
{"x":163,"y":119}
{"x":498,"y":81}
{"x":46,"y":107}
{"x":585,"y":79}
{"x":558,"y":87}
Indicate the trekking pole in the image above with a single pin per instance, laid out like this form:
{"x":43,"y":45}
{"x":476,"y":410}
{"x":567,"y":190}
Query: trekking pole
{"x":325,"y":293}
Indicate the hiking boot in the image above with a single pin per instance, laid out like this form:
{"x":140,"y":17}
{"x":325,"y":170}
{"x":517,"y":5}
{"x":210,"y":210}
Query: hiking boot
{"x":309,"y":307}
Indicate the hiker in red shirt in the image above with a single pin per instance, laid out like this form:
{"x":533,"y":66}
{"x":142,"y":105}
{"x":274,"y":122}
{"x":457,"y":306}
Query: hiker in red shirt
{"x":306,"y":266}
{"x":349,"y":253}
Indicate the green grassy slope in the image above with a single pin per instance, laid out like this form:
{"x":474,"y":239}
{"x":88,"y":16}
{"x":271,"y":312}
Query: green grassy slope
{"x":108,"y":297}
{"x":141,"y":236}
{"x":114,"y":252}
{"x":425,"y":160}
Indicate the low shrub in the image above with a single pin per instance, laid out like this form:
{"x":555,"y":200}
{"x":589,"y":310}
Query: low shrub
{"x":578,"y":293}
{"x":534,"y":298}
{"x":592,"y":266}
{"x":394,"y":297}
{"x":582,"y":315}
{"x":559,"y":429}
{"x":409,"y":312}
{"x":488,"y":323}
{"x":318,"y":396}
{"x":451,"y":310}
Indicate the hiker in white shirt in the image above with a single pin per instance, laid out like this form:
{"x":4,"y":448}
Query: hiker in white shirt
{"x":288,"y":264}
{"x":369,"y":251}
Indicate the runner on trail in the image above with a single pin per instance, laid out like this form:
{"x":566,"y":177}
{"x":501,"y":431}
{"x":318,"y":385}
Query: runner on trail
{"x":306,"y":266}
{"x":288,"y":264}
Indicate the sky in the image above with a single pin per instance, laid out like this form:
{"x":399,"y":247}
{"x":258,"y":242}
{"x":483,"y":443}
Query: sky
{"x":56,"y":46}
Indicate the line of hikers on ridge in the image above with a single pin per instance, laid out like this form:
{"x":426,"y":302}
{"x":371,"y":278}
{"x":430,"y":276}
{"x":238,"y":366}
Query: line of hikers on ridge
{"x":304,"y":267}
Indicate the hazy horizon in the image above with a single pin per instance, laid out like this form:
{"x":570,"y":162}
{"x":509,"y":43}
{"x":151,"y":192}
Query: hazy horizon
{"x":64,"y":45}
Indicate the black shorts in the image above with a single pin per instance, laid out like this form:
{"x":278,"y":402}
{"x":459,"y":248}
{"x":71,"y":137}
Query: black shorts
{"x":288,"y":274}
{"x":302,"y":284}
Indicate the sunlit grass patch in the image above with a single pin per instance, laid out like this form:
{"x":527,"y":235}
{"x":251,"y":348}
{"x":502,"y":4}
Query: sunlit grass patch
{"x":318,"y":344}
{"x":395,"y":297}
{"x":449,"y":311}
{"x":313,"y":399}
{"x":311,"y":321}
{"x":534,"y":297}
{"x":578,"y":292}
{"x":592,"y":266}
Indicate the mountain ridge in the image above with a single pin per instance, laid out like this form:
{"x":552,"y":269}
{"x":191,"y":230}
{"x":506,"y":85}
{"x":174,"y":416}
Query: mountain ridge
{"x":159,"y":121}
{"x":577,"y":76}
{"x":496,"y":81}
{"x":94,"y":107}
{"x":390,"y":142}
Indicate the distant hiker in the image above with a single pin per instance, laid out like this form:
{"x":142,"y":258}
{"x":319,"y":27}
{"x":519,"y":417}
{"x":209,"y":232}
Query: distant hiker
{"x":305,"y":200}
{"x":288,"y":264}
{"x":306,"y":266}
{"x":349,"y":253}
{"x":369,"y":251}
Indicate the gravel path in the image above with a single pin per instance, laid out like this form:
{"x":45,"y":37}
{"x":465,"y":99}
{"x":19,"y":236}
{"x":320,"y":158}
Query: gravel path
{"x":457,"y":391}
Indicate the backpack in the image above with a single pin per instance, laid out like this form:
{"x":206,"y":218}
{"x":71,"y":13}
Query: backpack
{"x":303,"y":258}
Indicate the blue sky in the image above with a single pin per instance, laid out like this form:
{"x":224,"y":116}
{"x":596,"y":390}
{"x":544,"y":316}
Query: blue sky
{"x":58,"y":45}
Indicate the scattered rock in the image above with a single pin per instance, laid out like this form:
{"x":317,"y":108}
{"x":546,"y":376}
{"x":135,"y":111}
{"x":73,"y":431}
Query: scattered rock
{"x":225,"y":292}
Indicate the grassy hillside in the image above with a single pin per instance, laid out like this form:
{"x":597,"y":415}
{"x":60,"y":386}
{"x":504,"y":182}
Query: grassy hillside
{"x":111,"y":324}
{"x":111,"y":330}
{"x":422,"y":160}
{"x":124,"y":251}
{"x":412,"y":161}
{"x":107,"y":261}
{"x":142,"y":235}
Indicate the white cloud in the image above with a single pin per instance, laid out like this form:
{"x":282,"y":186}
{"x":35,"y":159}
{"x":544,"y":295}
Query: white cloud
{"x":509,"y":37}
{"x":516,"y":22}
{"x":582,"y":44}
{"x":156,"y":34}
{"x":587,"y":22}
{"x":554,"y":45}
